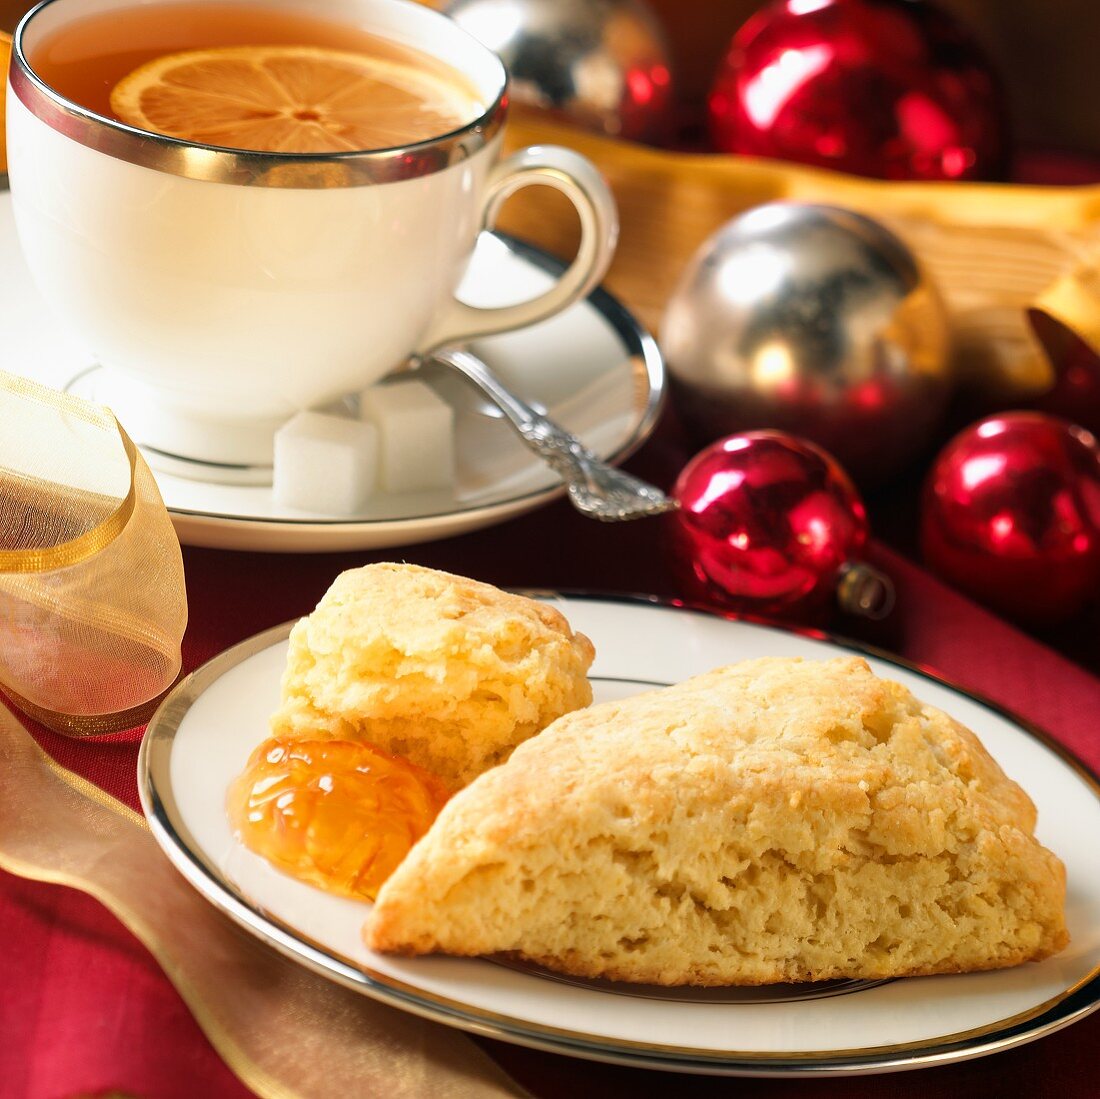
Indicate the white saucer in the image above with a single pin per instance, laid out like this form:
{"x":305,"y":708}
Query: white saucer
{"x":592,"y":367}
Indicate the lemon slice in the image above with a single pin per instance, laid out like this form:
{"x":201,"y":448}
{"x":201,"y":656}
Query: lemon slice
{"x":290,"y":99}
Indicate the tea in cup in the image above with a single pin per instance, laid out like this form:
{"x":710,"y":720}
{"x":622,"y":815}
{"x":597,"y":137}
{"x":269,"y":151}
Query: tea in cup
{"x":245,"y":209}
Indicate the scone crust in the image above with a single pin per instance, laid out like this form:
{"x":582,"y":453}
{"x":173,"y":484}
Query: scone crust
{"x":772,"y":821}
{"x":447,"y":671}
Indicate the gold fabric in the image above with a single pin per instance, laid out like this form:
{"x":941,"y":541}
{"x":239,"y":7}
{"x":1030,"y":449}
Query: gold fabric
{"x":995,"y":251}
{"x":284,"y":1031}
{"x":92,"y":598}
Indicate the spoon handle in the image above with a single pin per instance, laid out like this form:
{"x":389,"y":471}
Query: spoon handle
{"x":596,"y":489}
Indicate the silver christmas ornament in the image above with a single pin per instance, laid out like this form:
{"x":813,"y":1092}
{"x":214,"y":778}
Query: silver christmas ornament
{"x":817,"y":321}
{"x":602,"y":63}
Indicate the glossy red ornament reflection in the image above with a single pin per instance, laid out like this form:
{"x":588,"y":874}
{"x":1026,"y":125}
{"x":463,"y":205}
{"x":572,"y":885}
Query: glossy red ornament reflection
{"x":1011,"y":515}
{"x":895,"y":89}
{"x":766,"y":524}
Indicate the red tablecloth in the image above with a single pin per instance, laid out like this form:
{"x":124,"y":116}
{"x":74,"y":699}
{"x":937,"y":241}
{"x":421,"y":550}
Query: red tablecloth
{"x":84,"y":1009}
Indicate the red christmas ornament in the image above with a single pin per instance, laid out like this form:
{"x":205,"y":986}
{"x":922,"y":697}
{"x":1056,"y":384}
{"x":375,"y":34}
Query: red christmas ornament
{"x":889,"y":88}
{"x":770,"y":524}
{"x":1011,"y":515}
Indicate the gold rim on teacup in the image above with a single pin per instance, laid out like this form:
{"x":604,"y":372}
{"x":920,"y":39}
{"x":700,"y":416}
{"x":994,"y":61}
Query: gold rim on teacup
{"x":217,"y":164}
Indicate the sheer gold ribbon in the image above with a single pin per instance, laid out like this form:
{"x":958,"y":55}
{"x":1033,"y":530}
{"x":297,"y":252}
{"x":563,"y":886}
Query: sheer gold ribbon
{"x":995,"y":251}
{"x":281,"y":1029}
{"x":92,"y":598}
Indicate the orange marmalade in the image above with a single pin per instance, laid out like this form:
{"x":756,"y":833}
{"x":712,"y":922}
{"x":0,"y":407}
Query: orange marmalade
{"x":335,"y":813}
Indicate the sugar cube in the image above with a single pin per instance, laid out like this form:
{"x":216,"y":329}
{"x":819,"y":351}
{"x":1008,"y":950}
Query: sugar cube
{"x":415,"y":435}
{"x":325,"y":464}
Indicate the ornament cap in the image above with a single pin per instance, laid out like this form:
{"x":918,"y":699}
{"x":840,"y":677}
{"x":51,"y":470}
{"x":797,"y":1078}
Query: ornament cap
{"x":864,"y":591}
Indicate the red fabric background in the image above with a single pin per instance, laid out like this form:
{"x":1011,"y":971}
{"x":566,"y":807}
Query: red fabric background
{"x":84,"y":1009}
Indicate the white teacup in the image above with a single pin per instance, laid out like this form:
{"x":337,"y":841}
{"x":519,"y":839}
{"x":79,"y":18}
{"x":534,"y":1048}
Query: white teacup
{"x":223,"y":291}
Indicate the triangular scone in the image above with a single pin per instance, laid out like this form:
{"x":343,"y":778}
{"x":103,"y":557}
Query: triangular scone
{"x":776,"y":820}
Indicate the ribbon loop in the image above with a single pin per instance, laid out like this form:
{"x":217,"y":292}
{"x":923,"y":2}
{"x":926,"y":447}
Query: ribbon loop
{"x":92,"y":598}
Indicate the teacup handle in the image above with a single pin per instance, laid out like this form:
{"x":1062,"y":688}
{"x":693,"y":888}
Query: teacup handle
{"x":580,"y":181}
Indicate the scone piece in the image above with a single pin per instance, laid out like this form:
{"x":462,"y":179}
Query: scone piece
{"x":443,"y":670}
{"x":772,"y":821}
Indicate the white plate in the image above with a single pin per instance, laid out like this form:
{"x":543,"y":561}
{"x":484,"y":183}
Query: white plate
{"x":592,"y":367}
{"x":201,"y":737}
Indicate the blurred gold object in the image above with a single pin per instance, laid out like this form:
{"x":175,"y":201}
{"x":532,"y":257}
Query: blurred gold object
{"x":994,"y":251}
{"x":92,"y":598}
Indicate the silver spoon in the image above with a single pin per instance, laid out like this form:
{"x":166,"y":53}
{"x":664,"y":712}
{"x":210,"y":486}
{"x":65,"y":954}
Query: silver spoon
{"x":596,"y":489}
